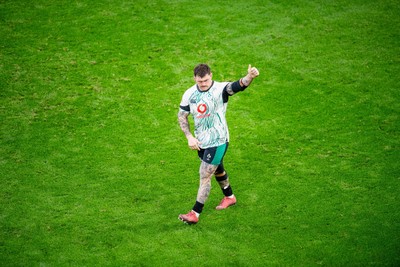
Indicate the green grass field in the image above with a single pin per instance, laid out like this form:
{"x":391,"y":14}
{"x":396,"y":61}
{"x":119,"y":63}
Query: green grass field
{"x":94,"y":168}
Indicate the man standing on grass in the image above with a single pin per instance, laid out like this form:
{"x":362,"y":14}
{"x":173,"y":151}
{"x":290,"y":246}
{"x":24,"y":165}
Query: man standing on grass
{"x":207,"y":101}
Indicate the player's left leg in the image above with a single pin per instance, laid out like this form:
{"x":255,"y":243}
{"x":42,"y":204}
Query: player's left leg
{"x":223,"y":180}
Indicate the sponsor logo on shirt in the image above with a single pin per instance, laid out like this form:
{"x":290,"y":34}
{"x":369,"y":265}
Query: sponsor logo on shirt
{"x":202,"y":109}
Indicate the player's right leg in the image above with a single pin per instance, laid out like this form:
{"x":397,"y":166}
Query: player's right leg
{"x":206,"y":172}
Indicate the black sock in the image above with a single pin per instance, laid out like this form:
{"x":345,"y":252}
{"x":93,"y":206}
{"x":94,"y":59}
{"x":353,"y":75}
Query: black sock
{"x":198,"y":207}
{"x":227,"y":191}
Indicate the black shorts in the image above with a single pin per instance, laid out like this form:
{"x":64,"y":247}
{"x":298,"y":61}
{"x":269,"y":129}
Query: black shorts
{"x":213,"y":155}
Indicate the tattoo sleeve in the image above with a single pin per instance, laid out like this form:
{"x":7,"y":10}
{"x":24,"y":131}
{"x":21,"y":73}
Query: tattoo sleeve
{"x":184,"y":122}
{"x":246,"y":80}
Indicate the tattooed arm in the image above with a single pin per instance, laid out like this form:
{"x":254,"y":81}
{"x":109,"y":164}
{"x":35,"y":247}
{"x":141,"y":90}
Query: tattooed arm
{"x":252,"y":73}
{"x":184,"y":122}
{"x":193,"y":143}
{"x":241,"y":84}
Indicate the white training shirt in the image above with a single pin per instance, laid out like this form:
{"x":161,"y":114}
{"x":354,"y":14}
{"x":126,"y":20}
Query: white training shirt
{"x":208,"y":109}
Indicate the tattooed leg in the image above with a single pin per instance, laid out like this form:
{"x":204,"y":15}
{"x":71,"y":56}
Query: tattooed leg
{"x":206,"y":172}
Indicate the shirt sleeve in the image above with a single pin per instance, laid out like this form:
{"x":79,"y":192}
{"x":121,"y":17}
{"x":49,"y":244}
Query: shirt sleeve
{"x":184,"y":105}
{"x":185,"y":108}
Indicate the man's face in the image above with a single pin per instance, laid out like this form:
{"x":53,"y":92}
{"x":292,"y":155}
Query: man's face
{"x":204,"y":82}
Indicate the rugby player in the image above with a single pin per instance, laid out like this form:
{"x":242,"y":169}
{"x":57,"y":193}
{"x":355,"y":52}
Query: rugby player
{"x":207,"y":101}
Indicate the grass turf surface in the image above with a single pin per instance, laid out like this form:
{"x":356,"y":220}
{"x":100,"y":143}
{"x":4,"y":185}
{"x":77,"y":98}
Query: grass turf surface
{"x":94,"y":168}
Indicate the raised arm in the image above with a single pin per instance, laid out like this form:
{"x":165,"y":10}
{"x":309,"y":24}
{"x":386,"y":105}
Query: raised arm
{"x":242,"y":83}
{"x":252,"y":72}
